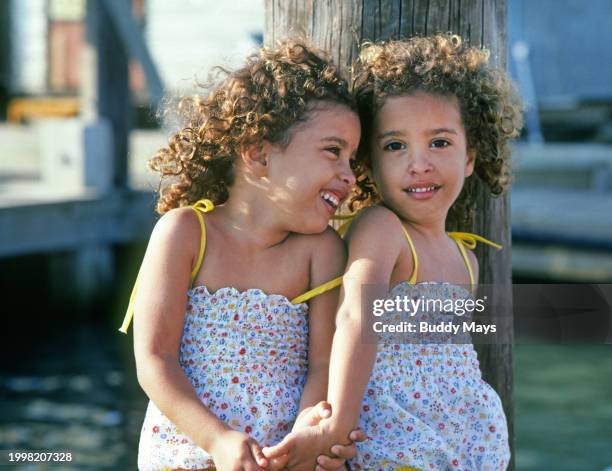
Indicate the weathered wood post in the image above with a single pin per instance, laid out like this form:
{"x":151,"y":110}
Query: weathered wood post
{"x":339,"y":26}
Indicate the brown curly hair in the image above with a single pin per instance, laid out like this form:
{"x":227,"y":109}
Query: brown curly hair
{"x":491,"y":110}
{"x":260,"y":101}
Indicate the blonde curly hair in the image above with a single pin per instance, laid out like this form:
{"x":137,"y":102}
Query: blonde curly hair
{"x":260,"y":101}
{"x":490,"y":108}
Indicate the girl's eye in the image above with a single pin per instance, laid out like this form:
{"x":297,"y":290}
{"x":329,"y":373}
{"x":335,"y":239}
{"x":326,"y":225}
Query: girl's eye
{"x":394,"y":146}
{"x":439,"y":143}
{"x":334,"y":150}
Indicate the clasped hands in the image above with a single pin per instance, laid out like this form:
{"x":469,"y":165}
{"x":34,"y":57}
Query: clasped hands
{"x":308,"y":447}
{"x":310,"y":437}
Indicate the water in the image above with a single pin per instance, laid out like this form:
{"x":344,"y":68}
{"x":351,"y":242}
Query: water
{"x":74,"y":389}
{"x":563,"y":400}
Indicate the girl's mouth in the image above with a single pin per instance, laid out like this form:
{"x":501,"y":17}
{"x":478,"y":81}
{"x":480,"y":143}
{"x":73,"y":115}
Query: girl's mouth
{"x":421,"y":192}
{"x":331,"y":200}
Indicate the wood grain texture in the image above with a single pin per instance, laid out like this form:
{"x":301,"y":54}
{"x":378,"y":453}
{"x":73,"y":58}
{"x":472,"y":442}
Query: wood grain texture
{"x":339,"y":26}
{"x":334,"y":26}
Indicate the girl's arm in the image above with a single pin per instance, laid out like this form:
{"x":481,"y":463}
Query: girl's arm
{"x":158,"y":325}
{"x":374,"y":244}
{"x":328,"y":260}
{"x":474,"y":263}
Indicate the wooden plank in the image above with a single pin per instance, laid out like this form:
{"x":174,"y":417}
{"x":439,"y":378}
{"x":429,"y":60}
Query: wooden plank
{"x":407,"y":18}
{"x":369,"y":30}
{"x":331,"y":25}
{"x":568,"y":155}
{"x":576,"y":214}
{"x":388,"y":22}
{"x":39,"y":225}
{"x":438,"y":13}
{"x":586,"y":166}
{"x":561,"y":263}
{"x":290,"y":17}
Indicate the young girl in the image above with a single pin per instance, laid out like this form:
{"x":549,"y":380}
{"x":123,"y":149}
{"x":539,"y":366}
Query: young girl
{"x":433,"y":112}
{"x":233,"y":313}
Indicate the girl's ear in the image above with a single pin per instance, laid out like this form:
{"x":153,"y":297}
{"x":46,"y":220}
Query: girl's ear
{"x":469,"y":165}
{"x":255,"y":158}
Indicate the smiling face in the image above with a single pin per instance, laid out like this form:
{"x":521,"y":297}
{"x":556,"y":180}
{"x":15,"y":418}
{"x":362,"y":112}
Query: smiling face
{"x":419,"y":155}
{"x":310,"y":177}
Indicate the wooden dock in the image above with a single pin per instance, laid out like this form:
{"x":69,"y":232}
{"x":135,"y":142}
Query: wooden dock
{"x":561,"y":207}
{"x":38,"y":217}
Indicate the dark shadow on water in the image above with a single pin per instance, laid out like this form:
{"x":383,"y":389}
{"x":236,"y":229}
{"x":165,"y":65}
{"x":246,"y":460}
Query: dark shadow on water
{"x":73,"y":389}
{"x":67,"y":381}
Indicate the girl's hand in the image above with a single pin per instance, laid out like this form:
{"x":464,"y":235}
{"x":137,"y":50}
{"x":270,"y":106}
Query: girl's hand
{"x":311,"y":417}
{"x":301,"y":447}
{"x":339,"y":453}
{"x":236,"y":451}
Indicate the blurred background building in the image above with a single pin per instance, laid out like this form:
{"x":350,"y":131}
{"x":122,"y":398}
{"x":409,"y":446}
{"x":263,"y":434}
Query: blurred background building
{"x":562,"y":197}
{"x":75,"y":215}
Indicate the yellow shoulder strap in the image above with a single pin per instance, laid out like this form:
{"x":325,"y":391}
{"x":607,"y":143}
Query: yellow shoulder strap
{"x":347,"y":218}
{"x":202,"y":206}
{"x":324,"y":288}
{"x":415,"y":269}
{"x":467,"y":263}
{"x":469,"y":240}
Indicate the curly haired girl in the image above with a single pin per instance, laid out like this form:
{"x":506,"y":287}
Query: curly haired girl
{"x":433,"y":111}
{"x":233,"y":316}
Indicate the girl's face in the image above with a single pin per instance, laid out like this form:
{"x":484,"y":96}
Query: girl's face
{"x":419,"y":155}
{"x":311,"y":176}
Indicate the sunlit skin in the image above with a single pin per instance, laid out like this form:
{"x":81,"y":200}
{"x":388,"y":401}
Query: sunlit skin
{"x":317,"y":159}
{"x":272,"y":234}
{"x":419,"y":142}
{"x":276,"y":197}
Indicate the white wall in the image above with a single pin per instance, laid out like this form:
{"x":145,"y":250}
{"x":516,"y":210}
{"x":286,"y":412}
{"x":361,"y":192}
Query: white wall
{"x":188,"y":37}
{"x":29,"y":47}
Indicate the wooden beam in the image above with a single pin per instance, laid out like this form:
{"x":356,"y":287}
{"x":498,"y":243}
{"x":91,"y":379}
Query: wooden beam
{"x":131,"y":35}
{"x":105,"y":89}
{"x":37,"y":225}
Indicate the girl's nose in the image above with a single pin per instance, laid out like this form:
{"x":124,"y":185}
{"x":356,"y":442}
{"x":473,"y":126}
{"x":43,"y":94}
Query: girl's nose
{"x":346,"y":174}
{"x":419,"y":162}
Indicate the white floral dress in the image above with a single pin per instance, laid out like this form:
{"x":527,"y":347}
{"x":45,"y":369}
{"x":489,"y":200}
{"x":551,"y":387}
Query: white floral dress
{"x":245,"y":353}
{"x":426,"y":405}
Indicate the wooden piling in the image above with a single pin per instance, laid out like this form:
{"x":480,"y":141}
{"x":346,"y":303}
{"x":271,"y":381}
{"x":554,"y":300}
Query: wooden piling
{"x":339,"y":26}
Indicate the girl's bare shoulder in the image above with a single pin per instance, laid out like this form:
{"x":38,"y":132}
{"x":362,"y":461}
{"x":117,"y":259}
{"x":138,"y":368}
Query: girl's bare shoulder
{"x":474,"y":263}
{"x":327,"y":245}
{"x":377,"y":224}
{"x":179,"y":229}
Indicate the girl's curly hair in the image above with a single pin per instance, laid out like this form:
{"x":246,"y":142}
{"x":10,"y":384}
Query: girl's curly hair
{"x":260,"y":101}
{"x":491,"y":110}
